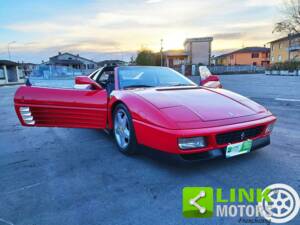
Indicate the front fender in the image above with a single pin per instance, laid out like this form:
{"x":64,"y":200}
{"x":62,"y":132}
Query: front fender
{"x":140,"y":110}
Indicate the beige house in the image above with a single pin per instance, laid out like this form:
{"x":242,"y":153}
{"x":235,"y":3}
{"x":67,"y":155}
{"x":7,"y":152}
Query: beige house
{"x":285,"y":49}
{"x":10,"y":73}
{"x":199,"y":50}
{"x":196,"y":51}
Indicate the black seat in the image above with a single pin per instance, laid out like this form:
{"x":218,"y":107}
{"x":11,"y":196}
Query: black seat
{"x":110,"y":83}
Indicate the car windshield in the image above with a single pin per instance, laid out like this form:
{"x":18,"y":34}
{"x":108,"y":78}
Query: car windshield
{"x":135,"y":77}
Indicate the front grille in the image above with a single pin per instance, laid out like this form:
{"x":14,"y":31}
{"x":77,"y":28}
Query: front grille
{"x":237,"y":136}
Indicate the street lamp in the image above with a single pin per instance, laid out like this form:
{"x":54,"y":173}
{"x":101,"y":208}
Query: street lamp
{"x":8,"y":50}
{"x":161,"y":52}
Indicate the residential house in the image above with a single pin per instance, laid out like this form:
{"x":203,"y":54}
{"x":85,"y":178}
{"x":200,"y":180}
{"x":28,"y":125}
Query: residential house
{"x":285,"y":49}
{"x":10,"y":73}
{"x":175,"y":58}
{"x":256,"y":56}
{"x":73,"y":61}
{"x":28,"y":67}
{"x":196,"y":51}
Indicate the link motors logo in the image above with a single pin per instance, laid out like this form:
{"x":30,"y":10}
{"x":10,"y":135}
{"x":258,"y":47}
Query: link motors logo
{"x":277,"y":203}
{"x":284,"y":204}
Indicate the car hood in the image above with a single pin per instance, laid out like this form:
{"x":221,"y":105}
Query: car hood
{"x":196,"y":104}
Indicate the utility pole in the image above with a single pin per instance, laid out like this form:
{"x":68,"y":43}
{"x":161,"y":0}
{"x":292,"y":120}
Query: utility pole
{"x":161,"y":52}
{"x":289,"y":48}
{"x":8,"y":50}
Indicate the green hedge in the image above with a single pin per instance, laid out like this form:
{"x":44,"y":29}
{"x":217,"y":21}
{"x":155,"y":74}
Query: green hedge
{"x":290,"y":66}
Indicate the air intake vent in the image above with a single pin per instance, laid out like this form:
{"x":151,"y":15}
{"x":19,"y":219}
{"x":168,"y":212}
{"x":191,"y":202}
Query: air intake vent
{"x":240,"y":135}
{"x":26,"y":115}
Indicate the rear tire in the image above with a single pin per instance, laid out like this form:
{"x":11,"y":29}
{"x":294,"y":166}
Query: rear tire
{"x":123,"y":130}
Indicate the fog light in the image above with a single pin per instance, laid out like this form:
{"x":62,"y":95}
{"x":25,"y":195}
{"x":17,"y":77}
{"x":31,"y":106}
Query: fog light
{"x":269,"y":128}
{"x":190,"y":143}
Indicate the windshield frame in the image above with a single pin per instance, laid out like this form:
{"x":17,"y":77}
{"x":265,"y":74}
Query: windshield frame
{"x":118,"y":80}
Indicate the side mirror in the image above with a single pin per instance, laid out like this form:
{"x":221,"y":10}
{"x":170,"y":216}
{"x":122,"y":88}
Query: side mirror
{"x":211,"y":81}
{"x":84,"y":82}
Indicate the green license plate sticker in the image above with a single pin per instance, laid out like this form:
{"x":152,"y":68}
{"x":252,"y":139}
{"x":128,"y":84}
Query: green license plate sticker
{"x":238,"y":148}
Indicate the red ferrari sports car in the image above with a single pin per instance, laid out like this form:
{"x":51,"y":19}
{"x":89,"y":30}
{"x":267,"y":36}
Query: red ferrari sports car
{"x":152,"y":106}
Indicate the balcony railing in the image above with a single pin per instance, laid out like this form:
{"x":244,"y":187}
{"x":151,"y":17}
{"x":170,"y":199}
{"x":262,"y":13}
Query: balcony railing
{"x":294,"y":46}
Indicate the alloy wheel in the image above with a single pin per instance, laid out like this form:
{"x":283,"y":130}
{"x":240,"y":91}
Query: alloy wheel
{"x":121,"y":129}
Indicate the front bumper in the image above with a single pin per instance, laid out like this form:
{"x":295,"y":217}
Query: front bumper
{"x":167,"y":140}
{"x":220,"y":152}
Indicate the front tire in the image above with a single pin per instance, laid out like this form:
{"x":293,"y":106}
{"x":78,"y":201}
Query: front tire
{"x":124,"y":131}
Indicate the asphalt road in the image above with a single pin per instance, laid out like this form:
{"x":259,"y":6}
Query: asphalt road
{"x":77,"y":176}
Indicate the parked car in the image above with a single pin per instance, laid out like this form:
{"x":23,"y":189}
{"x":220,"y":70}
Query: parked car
{"x":152,"y":106}
{"x":207,"y":79}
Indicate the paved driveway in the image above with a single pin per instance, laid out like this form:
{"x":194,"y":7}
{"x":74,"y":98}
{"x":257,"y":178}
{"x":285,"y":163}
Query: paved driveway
{"x":77,"y":176}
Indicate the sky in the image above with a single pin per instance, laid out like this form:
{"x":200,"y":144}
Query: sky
{"x":35,"y":30}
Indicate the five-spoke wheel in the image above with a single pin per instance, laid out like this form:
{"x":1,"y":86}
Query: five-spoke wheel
{"x":123,"y":130}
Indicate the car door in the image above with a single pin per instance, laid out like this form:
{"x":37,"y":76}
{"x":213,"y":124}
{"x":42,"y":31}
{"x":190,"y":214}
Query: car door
{"x":57,"y":107}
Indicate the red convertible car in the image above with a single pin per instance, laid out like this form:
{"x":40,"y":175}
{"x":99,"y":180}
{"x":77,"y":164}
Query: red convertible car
{"x":152,"y":106}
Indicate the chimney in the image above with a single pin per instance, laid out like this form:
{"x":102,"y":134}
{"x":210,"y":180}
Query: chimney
{"x":59,"y":53}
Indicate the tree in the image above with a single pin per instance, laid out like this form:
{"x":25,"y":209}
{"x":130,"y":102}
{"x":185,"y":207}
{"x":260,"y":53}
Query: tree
{"x":132,"y":60}
{"x":291,"y":21}
{"x":145,"y":57}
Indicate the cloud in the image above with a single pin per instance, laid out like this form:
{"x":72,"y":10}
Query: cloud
{"x":153,"y":1}
{"x":110,"y":27}
{"x":249,"y":24}
{"x":228,"y":36}
{"x":35,"y":27}
{"x":260,"y":3}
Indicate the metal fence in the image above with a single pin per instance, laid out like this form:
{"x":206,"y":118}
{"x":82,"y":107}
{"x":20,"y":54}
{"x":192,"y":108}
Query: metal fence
{"x":51,"y":72}
{"x":55,"y":76}
{"x":236,"y":69}
{"x":193,"y":70}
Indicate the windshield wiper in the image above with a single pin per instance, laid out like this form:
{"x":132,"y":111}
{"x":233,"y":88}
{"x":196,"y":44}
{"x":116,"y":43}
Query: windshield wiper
{"x":137,"y":86}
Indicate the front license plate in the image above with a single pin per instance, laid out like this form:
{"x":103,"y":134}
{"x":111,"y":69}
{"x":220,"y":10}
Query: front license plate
{"x":238,"y":148}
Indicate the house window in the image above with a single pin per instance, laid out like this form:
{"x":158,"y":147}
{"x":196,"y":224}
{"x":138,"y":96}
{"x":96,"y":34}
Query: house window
{"x":255,"y":55}
{"x":231,"y":56}
{"x":272,"y":58}
{"x":2,"y":76}
{"x":254,"y":64}
{"x":279,"y":58}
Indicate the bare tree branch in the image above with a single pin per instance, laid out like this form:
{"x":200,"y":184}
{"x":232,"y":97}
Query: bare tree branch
{"x":291,"y":18}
